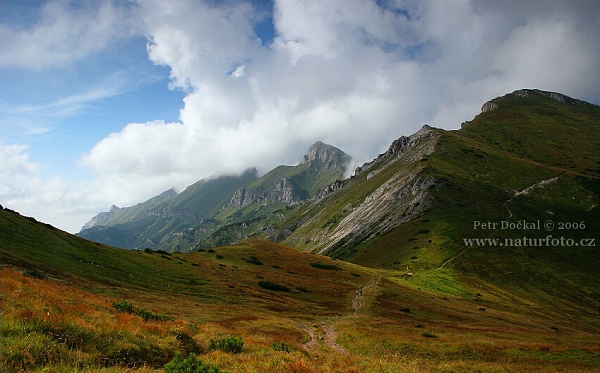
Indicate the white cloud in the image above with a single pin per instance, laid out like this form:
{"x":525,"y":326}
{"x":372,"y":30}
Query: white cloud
{"x":348,"y":72}
{"x":50,"y":199}
{"x":67,"y":32}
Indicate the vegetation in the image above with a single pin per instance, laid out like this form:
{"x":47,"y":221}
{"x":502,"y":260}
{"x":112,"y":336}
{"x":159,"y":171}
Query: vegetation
{"x":233,"y":344}
{"x":281,"y":346}
{"x":191,"y":364}
{"x":272,"y":286}
{"x":329,"y":267}
{"x":415,"y":298}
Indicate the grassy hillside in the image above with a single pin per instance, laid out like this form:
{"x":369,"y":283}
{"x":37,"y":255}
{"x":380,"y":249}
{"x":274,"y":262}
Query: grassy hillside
{"x":295,"y":311}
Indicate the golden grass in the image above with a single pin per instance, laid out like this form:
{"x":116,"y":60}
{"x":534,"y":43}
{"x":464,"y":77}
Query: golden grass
{"x":50,"y":325}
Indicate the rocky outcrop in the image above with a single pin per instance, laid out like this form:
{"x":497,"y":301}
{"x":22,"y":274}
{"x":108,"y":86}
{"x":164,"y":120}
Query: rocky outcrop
{"x":335,"y":186}
{"x":398,"y":147}
{"x":400,"y":200}
{"x":489,"y":106}
{"x":101,"y":218}
{"x":282,"y":192}
{"x":167,"y":213}
{"x":558,"y":97}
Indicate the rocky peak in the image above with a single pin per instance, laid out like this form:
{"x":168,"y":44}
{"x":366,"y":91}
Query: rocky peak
{"x":327,"y":155}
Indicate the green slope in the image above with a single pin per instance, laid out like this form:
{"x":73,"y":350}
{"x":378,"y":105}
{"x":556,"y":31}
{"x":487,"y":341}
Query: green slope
{"x":58,"y":313}
{"x":533,"y":159}
{"x":166,"y":224}
{"x":203,"y":214}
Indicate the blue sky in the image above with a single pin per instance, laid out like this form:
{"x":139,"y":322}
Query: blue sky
{"x":114,"y":101}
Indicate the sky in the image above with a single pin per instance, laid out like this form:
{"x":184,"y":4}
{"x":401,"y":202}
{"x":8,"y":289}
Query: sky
{"x":108,"y":102}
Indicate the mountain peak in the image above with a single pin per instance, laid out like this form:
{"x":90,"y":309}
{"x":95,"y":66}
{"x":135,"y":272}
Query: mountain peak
{"x":325,"y":154}
{"x":528,"y":93}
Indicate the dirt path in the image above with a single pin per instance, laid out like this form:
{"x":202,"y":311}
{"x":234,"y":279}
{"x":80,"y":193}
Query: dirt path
{"x":311,"y":342}
{"x":330,"y":336}
{"x":326,"y":330}
{"x":357,"y":302}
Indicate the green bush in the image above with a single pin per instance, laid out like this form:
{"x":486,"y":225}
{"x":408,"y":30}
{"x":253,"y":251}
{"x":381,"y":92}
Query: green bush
{"x":124,"y":306}
{"x":281,"y":346}
{"x":254,"y":260}
{"x":329,"y":267}
{"x":189,"y":365}
{"x":272,"y":286}
{"x":232,"y":344}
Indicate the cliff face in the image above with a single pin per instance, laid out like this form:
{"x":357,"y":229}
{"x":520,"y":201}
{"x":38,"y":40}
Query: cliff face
{"x":385,"y":193}
{"x":329,"y":157}
{"x":321,"y":165}
{"x":282,"y":192}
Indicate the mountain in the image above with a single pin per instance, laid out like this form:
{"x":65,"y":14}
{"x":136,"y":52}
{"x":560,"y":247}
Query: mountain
{"x":70,"y":304}
{"x":179,"y":222}
{"x":467,"y":250}
{"x":514,"y":191}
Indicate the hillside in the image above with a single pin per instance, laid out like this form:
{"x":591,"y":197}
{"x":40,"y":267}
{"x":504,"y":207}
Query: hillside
{"x":180,"y":222}
{"x":331,"y":316}
{"x":473,"y":250}
{"x":421,"y":204}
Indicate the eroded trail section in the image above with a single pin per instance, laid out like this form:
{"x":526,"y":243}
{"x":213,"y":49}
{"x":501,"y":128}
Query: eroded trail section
{"x":330,"y":336}
{"x":357,"y":301}
{"x":325,"y":331}
{"x":311,"y":342}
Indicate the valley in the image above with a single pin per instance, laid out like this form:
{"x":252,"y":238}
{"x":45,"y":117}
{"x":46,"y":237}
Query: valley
{"x":316,"y":272}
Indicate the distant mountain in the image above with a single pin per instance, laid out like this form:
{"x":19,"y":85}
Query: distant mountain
{"x":178,"y":222}
{"x":118,"y":215}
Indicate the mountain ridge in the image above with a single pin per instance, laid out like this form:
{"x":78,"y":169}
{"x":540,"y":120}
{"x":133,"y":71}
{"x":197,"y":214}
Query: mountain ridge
{"x":420,"y":273}
{"x":206,"y":205}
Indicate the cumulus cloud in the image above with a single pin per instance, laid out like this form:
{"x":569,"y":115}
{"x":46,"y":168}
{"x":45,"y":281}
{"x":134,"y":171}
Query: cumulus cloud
{"x":353,"y":73}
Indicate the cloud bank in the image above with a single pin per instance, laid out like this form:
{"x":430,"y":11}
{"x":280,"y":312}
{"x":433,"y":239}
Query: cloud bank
{"x":353,"y":73}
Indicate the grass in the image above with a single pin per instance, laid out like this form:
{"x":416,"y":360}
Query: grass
{"x":463,"y":309}
{"x":66,"y":327}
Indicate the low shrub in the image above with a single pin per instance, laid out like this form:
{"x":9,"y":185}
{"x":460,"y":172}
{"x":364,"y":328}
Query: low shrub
{"x":281,"y":346}
{"x":329,"y":267}
{"x":189,"y":365}
{"x":233,"y":344}
{"x":125,"y":306}
{"x":254,"y":260}
{"x":272,"y":286}
{"x":35,"y":273}
{"x":429,"y":335}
